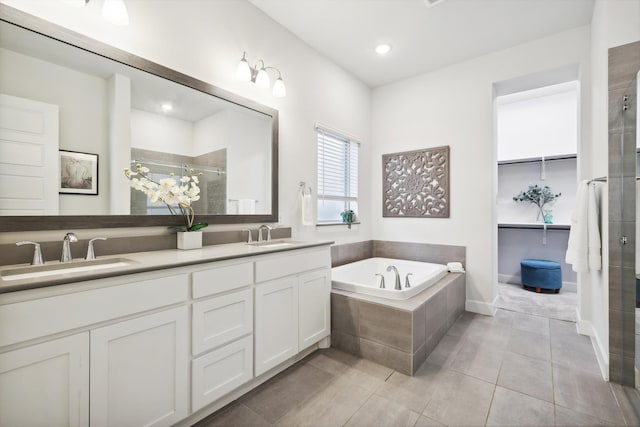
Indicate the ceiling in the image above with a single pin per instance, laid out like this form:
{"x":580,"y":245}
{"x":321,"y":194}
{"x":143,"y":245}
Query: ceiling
{"x":422,"y":38}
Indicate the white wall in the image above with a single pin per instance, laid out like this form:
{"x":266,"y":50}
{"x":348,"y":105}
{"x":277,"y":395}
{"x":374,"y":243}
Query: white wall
{"x":455,"y":106}
{"x":539,"y":122}
{"x":78,"y":95}
{"x":157,"y":132}
{"x":205,"y":39}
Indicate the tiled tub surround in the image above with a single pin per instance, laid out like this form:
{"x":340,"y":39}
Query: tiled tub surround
{"x":397,"y":334}
{"x":424,"y":252}
{"x":12,"y":254}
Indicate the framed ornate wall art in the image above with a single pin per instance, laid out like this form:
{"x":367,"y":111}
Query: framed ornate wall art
{"x":415,"y":184}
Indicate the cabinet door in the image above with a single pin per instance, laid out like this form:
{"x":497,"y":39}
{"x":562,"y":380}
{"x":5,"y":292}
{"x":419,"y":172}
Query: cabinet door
{"x":46,"y":384}
{"x":221,"y":371}
{"x":276,"y":323}
{"x":314,"y":290}
{"x":139,"y":371}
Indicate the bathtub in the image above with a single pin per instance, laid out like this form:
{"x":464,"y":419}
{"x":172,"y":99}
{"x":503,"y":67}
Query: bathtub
{"x":360,"y":277}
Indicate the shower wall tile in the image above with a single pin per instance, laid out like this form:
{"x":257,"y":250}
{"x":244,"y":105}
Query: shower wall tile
{"x":623,"y":65}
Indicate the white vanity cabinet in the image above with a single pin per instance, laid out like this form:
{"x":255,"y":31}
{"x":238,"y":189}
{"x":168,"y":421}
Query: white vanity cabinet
{"x":46,"y":384}
{"x":292,"y":312}
{"x":158,"y":348}
{"x":139,"y":371}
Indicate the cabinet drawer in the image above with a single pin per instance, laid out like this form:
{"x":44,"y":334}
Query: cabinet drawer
{"x":46,"y":316}
{"x":220,"y":320}
{"x":221,"y":279}
{"x":221,"y":371}
{"x":294,"y":263}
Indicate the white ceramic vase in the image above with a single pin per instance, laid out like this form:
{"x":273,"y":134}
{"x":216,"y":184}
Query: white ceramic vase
{"x":189,"y":239}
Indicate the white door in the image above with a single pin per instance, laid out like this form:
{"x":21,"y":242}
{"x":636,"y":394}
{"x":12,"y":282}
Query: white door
{"x":314,"y":291}
{"x":276,"y":323}
{"x":46,"y":384}
{"x":29,"y":164}
{"x":139,"y":371}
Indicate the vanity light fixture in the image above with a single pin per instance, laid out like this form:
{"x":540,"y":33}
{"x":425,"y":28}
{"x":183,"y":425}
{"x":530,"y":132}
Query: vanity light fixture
{"x":113,"y":11}
{"x":166,"y":107}
{"x":258,"y":75}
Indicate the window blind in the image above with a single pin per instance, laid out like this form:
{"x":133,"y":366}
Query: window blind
{"x":337,"y":175}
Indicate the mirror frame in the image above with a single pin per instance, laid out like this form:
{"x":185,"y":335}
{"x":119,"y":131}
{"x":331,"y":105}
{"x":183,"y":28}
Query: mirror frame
{"x":48,"y":222}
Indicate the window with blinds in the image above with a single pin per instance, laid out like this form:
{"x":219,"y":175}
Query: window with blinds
{"x":337,"y":175}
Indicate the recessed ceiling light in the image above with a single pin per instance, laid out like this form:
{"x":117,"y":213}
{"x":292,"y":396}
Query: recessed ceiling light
{"x":166,"y":107}
{"x":383,"y":49}
{"x":431,"y":3}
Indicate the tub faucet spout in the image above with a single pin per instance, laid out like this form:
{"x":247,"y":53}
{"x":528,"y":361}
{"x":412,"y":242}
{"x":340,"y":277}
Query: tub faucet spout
{"x":393,"y":268}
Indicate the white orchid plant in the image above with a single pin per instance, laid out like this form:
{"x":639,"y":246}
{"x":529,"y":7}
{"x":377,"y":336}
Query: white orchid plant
{"x":171,"y":191}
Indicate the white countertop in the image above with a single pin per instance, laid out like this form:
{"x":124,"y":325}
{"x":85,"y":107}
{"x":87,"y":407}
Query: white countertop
{"x":145,"y":261}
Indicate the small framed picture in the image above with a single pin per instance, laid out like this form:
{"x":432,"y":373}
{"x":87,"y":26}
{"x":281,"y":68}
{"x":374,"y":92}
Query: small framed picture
{"x":78,"y":173}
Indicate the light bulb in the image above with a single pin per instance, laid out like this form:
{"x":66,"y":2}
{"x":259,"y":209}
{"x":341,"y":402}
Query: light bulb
{"x":279,"y":90}
{"x":166,"y":107}
{"x":262,"y":79}
{"x":115,"y":11}
{"x":243,"y":72}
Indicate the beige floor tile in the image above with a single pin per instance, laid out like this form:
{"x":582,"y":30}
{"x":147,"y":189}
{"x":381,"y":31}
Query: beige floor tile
{"x":586,"y":393}
{"x":284,"y":392}
{"x":531,"y":323}
{"x":459,"y":400}
{"x":527,"y":375}
{"x":237,"y":415}
{"x":366,"y":366}
{"x":381,"y":412}
{"x":478,"y":360}
{"x":332,"y":406}
{"x":510,"y":408}
{"x":566,"y":417}
{"x":427,"y":422}
{"x":529,"y":344}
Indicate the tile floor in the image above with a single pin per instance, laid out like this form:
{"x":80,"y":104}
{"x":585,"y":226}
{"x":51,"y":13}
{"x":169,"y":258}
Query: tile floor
{"x":513,"y":369}
{"x":560,"y":306}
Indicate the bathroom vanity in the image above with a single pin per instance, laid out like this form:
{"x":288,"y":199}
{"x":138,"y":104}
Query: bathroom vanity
{"x":166,"y":339}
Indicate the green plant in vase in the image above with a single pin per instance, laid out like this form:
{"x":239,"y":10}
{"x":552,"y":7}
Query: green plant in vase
{"x":539,"y":196}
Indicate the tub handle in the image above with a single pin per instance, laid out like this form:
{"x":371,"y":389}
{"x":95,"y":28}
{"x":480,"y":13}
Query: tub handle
{"x":406,"y":280}
{"x":381,"y":280}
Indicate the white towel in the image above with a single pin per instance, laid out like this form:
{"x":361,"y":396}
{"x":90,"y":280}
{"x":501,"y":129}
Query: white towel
{"x":247,"y":206}
{"x":455,"y":267}
{"x":584,"y":247}
{"x":307,"y":209}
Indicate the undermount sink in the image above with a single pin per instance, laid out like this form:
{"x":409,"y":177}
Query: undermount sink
{"x":54,"y":269}
{"x":273,"y":244}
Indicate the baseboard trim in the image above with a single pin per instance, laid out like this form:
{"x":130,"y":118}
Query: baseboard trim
{"x":481,"y":307}
{"x":585,"y":327}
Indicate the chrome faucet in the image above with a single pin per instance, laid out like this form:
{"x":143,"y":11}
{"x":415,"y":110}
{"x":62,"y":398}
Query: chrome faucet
{"x":406,"y":281}
{"x":90,"y":252}
{"x":393,"y":268}
{"x":37,"y":253}
{"x":249,"y":238}
{"x":381,"y":280}
{"x":268,"y":228}
{"x":66,"y":247}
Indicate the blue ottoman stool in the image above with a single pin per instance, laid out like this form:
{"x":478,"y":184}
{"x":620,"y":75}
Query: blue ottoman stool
{"x":541,"y":274}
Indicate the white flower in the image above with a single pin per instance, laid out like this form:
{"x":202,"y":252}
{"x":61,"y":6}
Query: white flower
{"x":195,"y":180}
{"x":185,"y":179}
{"x":166,"y":184}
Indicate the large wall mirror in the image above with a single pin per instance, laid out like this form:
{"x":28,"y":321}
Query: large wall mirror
{"x":74,"y":113}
